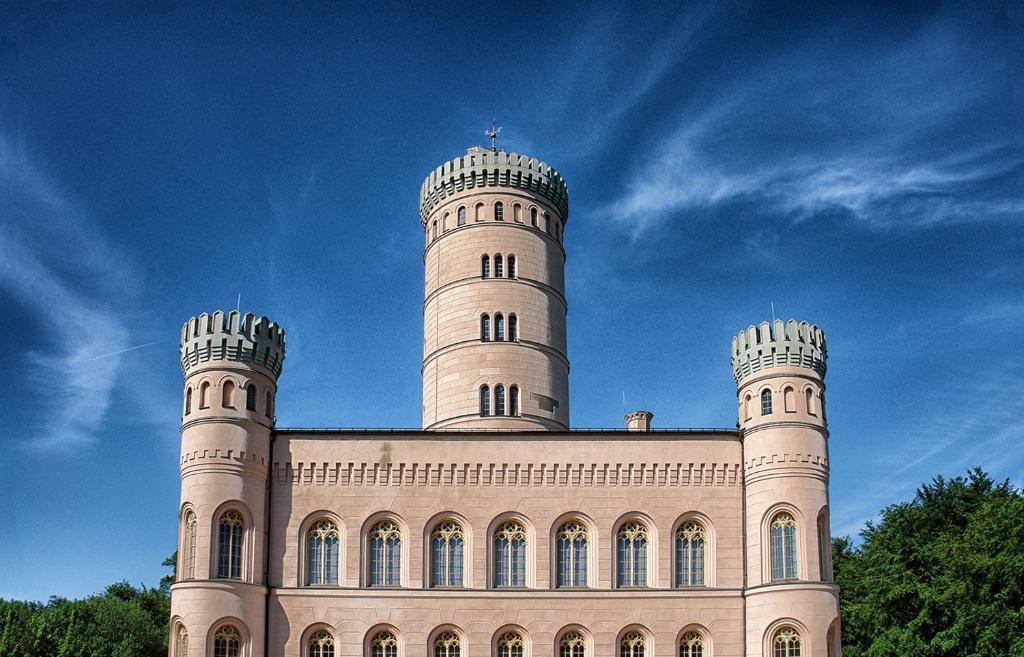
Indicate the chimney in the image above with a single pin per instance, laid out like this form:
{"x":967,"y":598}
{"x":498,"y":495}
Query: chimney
{"x":639,"y":421}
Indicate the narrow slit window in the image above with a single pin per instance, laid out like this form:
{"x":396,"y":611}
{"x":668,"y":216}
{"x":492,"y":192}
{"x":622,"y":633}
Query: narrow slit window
{"x":499,"y":400}
{"x":513,"y":400}
{"x":188,"y":401}
{"x":462,"y":216}
{"x":783,"y":547}
{"x":499,"y":327}
{"x":513,"y":328}
{"x":485,"y":267}
{"x":485,"y":328}
{"x":250,"y":397}
{"x":499,"y":267}
{"x":766,"y":402}
{"x":499,"y":211}
{"x":511,"y":266}
{"x":485,"y":401}
{"x":533,"y":217}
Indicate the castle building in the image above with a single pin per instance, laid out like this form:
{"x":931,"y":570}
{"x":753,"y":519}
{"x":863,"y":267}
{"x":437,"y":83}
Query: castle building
{"x":496,"y":530}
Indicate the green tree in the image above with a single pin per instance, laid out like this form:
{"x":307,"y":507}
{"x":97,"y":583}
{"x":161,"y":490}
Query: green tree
{"x":940,"y":575}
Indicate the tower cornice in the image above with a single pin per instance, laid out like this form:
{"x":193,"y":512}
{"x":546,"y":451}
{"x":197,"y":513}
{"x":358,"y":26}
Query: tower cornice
{"x":778,"y":344}
{"x":232,"y":337}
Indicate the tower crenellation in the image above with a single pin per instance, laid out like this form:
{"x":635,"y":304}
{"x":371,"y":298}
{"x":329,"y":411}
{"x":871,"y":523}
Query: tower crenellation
{"x":242,"y":338}
{"x":778,"y":344}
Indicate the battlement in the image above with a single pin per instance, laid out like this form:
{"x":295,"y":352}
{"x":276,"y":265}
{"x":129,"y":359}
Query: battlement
{"x":232,"y":337}
{"x":782,"y":344}
{"x":481,"y":167}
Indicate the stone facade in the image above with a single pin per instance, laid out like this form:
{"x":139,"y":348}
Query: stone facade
{"x":496,"y":530}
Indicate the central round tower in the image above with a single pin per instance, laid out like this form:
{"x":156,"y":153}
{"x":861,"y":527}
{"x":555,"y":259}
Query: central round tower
{"x":494,"y":346}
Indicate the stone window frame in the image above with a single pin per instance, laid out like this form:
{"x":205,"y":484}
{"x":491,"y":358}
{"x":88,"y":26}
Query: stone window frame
{"x":188,"y":542}
{"x":710,"y":549}
{"x":248,"y":543}
{"x":593,"y":547}
{"x":448,"y":628}
{"x":652,"y":574}
{"x":823,"y":519}
{"x":524,"y":637}
{"x":403,"y":550}
{"x":780,"y":624}
{"x":375,"y":630}
{"x":648,"y":639}
{"x":707,"y":643}
{"x":467,"y":549}
{"x":311,"y":632}
{"x":307,"y":524}
{"x":766,"y":542}
{"x":531,"y":550}
{"x":177,"y":644}
{"x":588,"y":639}
{"x":244,"y":637}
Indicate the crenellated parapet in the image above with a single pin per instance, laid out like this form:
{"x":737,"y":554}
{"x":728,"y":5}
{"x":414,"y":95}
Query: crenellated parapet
{"x":480,"y":167}
{"x":778,"y":344}
{"x":232,"y":337}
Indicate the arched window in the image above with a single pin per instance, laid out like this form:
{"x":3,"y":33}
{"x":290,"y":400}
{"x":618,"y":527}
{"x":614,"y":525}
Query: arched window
{"x":478,"y":212}
{"x":446,"y":547}
{"x":485,"y":328}
{"x":188,"y":401}
{"x":485,"y":267}
{"x":499,"y":327}
{"x":444,"y":223}
{"x":499,"y":269}
{"x":547,"y":223}
{"x":322,"y":542}
{"x":511,"y":266}
{"x":513,"y":400}
{"x":786,"y":643}
{"x":510,"y":555}
{"x":462,"y":216}
{"x":181,"y":642}
{"x":558,"y":231}
{"x":572,"y":554}
{"x":499,"y":211}
{"x":789,"y":400}
{"x":269,"y":408}
{"x":572,"y":644}
{"x":385,"y":554}
{"x":204,"y":395}
{"x":746,"y":406}
{"x":250,"y":397}
{"x":824,"y":548}
{"x":510,"y":644}
{"x":188,"y":544}
{"x":632,"y":645}
{"x":228,"y":395}
{"x":766,"y":402}
{"x":517,"y":213}
{"x":809,"y":395}
{"x":384,"y":644}
{"x":691,"y":645}
{"x":447,"y":644}
{"x":433,"y":230}
{"x":321,"y":644}
{"x":783,"y":539}
{"x":499,"y":400}
{"x":229,"y":555}
{"x":533,"y":217}
{"x":513,"y":328}
{"x":485,"y":401}
{"x":691,"y":540}
{"x":632,"y":554}
{"x":227,"y":642}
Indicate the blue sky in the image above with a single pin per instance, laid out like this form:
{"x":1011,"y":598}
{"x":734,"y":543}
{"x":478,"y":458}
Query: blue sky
{"x":858,"y":166}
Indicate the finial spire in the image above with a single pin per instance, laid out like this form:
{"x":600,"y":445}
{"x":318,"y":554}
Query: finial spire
{"x":493,"y":134}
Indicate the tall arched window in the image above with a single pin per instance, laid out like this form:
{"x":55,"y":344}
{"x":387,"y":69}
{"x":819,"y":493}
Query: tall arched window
{"x":572,"y":554}
{"x":510,"y":555}
{"x":485,"y":328}
{"x":462,"y":216}
{"x":485,"y":401}
{"x":517,"y":213}
{"x":228,"y":394}
{"x":322,"y":542}
{"x":511,"y":266}
{"x":445,"y":226}
{"x":499,"y":400}
{"x":231,"y":535}
{"x":188,"y":544}
{"x":513,"y":400}
{"x":227,"y":642}
{"x":447,"y":644}
{"x":250,"y":397}
{"x":691,"y":645}
{"x":558,"y":231}
{"x":478,"y":212}
{"x":433,"y":230}
{"x":783,"y":539}
{"x":188,"y":401}
{"x":181,"y":642}
{"x":809,"y":395}
{"x":384,"y":644}
{"x":499,"y":269}
{"x":691,"y":540}
{"x":632,"y":645}
{"x":747,"y":401}
{"x":446,"y":548}
{"x":510,"y":644}
{"x":513,"y":328}
{"x":824,"y":548}
{"x":269,"y":408}
{"x":485,"y":267}
{"x":499,"y":211}
{"x":766,"y":402}
{"x":499,"y":327}
{"x":385,"y":554}
{"x":786,"y":643}
{"x":789,"y":400}
{"x":321,"y":644}
{"x":204,"y":395}
{"x":632,"y":554}
{"x":547,"y":223}
{"x":572,"y":644}
{"x":533,"y":217}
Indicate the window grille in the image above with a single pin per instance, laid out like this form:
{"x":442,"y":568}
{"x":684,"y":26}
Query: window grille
{"x":499,"y":270}
{"x":384,"y":644}
{"x":513,"y":401}
{"x":511,"y":266}
{"x":322,"y":543}
{"x":485,"y":401}
{"x":385,"y":554}
{"x":572,"y":644}
{"x":189,"y":561}
{"x":447,"y":544}
{"x":783,"y":545}
{"x":499,"y":211}
{"x":766,"y":402}
{"x":691,"y":540}
{"x":485,"y":267}
{"x":229,"y":564}
{"x":786,"y":643}
{"x":632,"y":645}
{"x":691,"y":645}
{"x":447,"y":644}
{"x":572,"y":554}
{"x":632,"y":555}
{"x":510,"y":555}
{"x":227,"y":642}
{"x":510,"y":644}
{"x":321,"y":644}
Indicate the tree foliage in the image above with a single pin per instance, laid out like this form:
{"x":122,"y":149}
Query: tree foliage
{"x":940,"y":575}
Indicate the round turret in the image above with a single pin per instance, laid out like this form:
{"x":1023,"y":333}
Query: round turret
{"x":494,"y":339}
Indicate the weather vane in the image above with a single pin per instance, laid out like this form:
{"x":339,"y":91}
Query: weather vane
{"x":493,"y":134}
